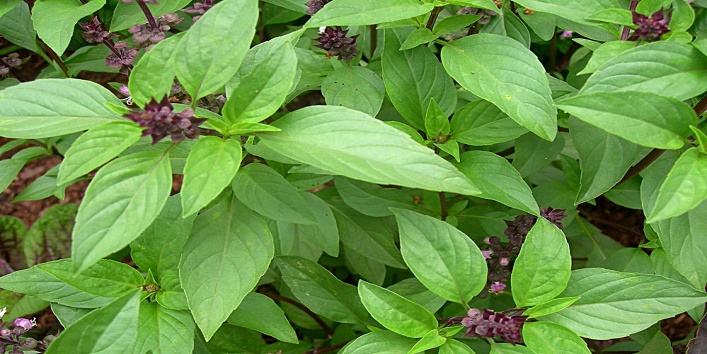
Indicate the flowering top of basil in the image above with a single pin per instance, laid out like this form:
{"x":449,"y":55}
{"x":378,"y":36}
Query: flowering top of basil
{"x":94,"y":32}
{"x":490,"y":324}
{"x":122,"y":57}
{"x":335,"y":42}
{"x":650,"y":28}
{"x":315,"y":5}
{"x":143,"y":33}
{"x":199,"y":8}
{"x":161,"y":121}
{"x":10,"y":61}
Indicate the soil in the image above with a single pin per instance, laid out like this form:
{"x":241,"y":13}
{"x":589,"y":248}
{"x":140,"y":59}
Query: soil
{"x":622,"y":224}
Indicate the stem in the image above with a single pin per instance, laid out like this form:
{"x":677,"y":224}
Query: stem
{"x":553,"y":52}
{"x":565,"y":61}
{"x":311,"y":314}
{"x":17,"y":75}
{"x":443,"y":206}
{"x":624,"y":33}
{"x":374,"y":40}
{"x":699,"y":108}
{"x":433,"y":17}
{"x":54,"y":57}
{"x":9,"y":49}
{"x":148,"y":14}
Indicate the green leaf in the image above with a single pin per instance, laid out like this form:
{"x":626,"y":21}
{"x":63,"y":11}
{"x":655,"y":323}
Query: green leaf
{"x":153,"y":75}
{"x":159,"y":247}
{"x":629,"y":259}
{"x":550,"y":306}
{"x":643,"y":118}
{"x":498,"y":180}
{"x":436,"y":121}
{"x":229,"y":249}
{"x":126,"y":15}
{"x":454,"y":23}
{"x":259,"y":312}
{"x":55,"y":20}
{"x":366,"y":12}
{"x":97,"y":146}
{"x":207,"y":56}
{"x":507,"y":348}
{"x":7,"y":6}
{"x":211,"y":165}
{"x":667,"y":68}
{"x":383,"y":342}
{"x":340,"y":140}
{"x":413,"y":78}
{"x":543,"y":267}
{"x":325,"y":233}
{"x":120,"y":203}
{"x":573,"y":10}
{"x":682,"y":17}
{"x":321,"y":291}
{"x":264,"y":190}
{"x":484,"y":4}
{"x":16,"y":27}
{"x":443,"y":258}
{"x":395,"y":312}
{"x":532,"y":154}
{"x":621,"y":17}
{"x":684,"y":187}
{"x":112,"y":329}
{"x":682,"y":238}
{"x":44,"y":286}
{"x":546,"y":337}
{"x":648,"y":7}
{"x":366,"y":235}
{"x":413,"y":290}
{"x":604,"y":53}
{"x":354,"y":87}
{"x":372,"y":200}
{"x":47,"y":108}
{"x":452,"y":346}
{"x":614,"y":304}
{"x":50,"y":236}
{"x":263,"y":86}
{"x":505,"y":73}
{"x":481,"y":123}
{"x":604,"y":158}
{"x":431,"y":340}
{"x":164,"y":331}
{"x":418,"y":37}
{"x":105,"y":278}
{"x":68,"y":315}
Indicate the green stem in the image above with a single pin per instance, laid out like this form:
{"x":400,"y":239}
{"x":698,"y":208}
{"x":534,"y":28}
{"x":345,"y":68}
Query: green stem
{"x":54,"y":57}
{"x":374,"y":40}
{"x":9,"y":49}
{"x":624,"y":33}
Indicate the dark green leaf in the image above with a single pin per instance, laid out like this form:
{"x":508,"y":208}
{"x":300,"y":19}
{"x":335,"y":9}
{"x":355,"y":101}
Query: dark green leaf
{"x":16,"y":27}
{"x":546,"y":337}
{"x":164,"y":331}
{"x":153,"y":75}
{"x":684,"y":187}
{"x":366,"y":12}
{"x":481,"y":123}
{"x":55,"y":20}
{"x":356,"y":88}
{"x":373,"y":200}
{"x":126,"y":15}
{"x":260,"y":313}
{"x":395,"y":312}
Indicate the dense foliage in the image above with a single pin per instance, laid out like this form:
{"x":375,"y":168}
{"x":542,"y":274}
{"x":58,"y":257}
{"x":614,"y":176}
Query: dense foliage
{"x":431,"y":205}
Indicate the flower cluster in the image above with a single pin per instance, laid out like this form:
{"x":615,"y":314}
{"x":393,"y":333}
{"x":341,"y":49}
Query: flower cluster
{"x":95,"y":32}
{"x":490,"y":324}
{"x":13,"y":337}
{"x":650,"y":28}
{"x":161,"y":121}
{"x":199,"y":8}
{"x":145,"y":34}
{"x":10,"y":61}
{"x":499,"y":255}
{"x":122,"y":57}
{"x":315,"y":5}
{"x":336,"y":43}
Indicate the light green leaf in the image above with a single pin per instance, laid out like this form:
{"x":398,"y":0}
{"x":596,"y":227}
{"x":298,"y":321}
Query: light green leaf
{"x":229,"y":249}
{"x":356,"y":145}
{"x":546,"y":337}
{"x":648,"y":7}
{"x":504,"y":72}
{"x":153,"y":75}
{"x":207,"y":56}
{"x":452,"y":346}
{"x":97,"y":146}
{"x":262,"y":87}
{"x":573,"y":10}
{"x":112,"y":329}
{"x":481,"y":123}
{"x":667,"y":68}
{"x":413,"y":78}
{"x":259,"y":312}
{"x":542,"y":269}
{"x":443,"y":258}
{"x":164,"y":331}
{"x":68,"y":315}
{"x":354,"y":87}
{"x":325,"y":232}
{"x":106,"y":278}
{"x":413,"y":290}
{"x":395,"y":312}
{"x":646,"y":119}
{"x":684,"y":187}
{"x":373,"y":200}
{"x":436,"y":121}
{"x":49,"y":107}
{"x":321,"y":291}
{"x":211,"y":165}
{"x":454,"y":22}
{"x":682,"y":17}
{"x":550,"y":306}
{"x":55,"y":20}
{"x":264,"y":190}
{"x":532,"y":153}
{"x":382,"y":342}
{"x":498,"y":180}
{"x":7,"y":6}
{"x":604,"y":53}
{"x":431,"y":340}
{"x":159,"y":247}
{"x":16,"y":27}
{"x":614,"y":304}
{"x":507,"y":348}
{"x":366,"y":12}
{"x":126,"y":15}
{"x":604,"y":158}
{"x":484,"y":4}
{"x":120,"y":203}
{"x":621,"y":17}
{"x":418,"y":37}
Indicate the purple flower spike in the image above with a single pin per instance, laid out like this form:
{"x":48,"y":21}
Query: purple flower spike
{"x":161,"y":121}
{"x":490,"y":324}
{"x":650,"y":28}
{"x":25,"y":323}
{"x":335,"y":42}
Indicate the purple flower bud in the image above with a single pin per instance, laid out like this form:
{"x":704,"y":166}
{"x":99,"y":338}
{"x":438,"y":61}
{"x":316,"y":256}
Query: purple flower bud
{"x":25,"y":323}
{"x":122,"y":58}
{"x":566,"y":34}
{"x":490,"y":324}
{"x":497,"y":287}
{"x":650,"y":28}
{"x":313,"y":6}
{"x":199,"y":8}
{"x":504,"y":261}
{"x":335,"y":42}
{"x":160,"y":121}
{"x":5,"y":332}
{"x":94,"y":32}
{"x":487,"y":254}
{"x":124,"y":90}
{"x":487,"y":240}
